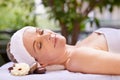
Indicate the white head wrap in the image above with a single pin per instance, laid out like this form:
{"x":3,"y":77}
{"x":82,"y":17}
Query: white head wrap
{"x":18,"y":49}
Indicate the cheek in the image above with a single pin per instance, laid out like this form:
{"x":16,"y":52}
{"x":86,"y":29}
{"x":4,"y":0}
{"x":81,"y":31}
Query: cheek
{"x":48,"y":52}
{"x":43,"y":56}
{"x":60,"y":45}
{"x":46,"y":57}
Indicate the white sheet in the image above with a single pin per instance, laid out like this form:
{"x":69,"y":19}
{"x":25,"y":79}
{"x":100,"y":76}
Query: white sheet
{"x":53,"y":75}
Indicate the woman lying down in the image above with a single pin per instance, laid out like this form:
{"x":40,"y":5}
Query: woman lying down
{"x":99,"y":53}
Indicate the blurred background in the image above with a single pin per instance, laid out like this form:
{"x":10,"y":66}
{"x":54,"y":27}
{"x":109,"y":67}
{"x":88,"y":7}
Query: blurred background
{"x":74,"y":19}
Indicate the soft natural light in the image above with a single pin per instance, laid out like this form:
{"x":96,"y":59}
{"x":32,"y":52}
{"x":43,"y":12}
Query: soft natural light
{"x":39,"y":7}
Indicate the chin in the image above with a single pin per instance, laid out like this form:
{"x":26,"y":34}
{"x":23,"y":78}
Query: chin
{"x":61,"y":41}
{"x":61,"y":44}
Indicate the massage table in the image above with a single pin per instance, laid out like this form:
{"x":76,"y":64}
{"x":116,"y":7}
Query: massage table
{"x":54,"y":75}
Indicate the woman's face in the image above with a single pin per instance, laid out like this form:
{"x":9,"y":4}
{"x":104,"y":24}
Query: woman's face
{"x":44,"y":45}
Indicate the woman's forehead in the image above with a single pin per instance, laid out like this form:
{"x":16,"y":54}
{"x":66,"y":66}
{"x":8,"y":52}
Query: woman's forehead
{"x":30,"y":30}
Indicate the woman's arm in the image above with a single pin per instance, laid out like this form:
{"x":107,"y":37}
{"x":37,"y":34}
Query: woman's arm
{"x":89,"y":60}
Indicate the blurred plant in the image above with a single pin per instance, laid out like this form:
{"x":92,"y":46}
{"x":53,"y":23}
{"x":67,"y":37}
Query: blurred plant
{"x":72,"y":14}
{"x":15,"y":14}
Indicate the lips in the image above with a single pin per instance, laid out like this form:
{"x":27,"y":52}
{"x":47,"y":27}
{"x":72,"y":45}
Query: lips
{"x":53,"y":36}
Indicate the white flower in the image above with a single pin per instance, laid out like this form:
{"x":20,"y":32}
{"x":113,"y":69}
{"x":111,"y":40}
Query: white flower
{"x":20,"y":69}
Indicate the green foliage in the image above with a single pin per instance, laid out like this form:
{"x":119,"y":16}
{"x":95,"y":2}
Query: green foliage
{"x":110,"y":3}
{"x":72,"y":14}
{"x":16,"y":14}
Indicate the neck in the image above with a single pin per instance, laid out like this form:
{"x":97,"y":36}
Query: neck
{"x":62,"y":60}
{"x":68,"y":52}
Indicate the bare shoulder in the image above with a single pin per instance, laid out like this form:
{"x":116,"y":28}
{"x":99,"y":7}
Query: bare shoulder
{"x":94,"y":40}
{"x":76,"y":60}
{"x":84,"y":59}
